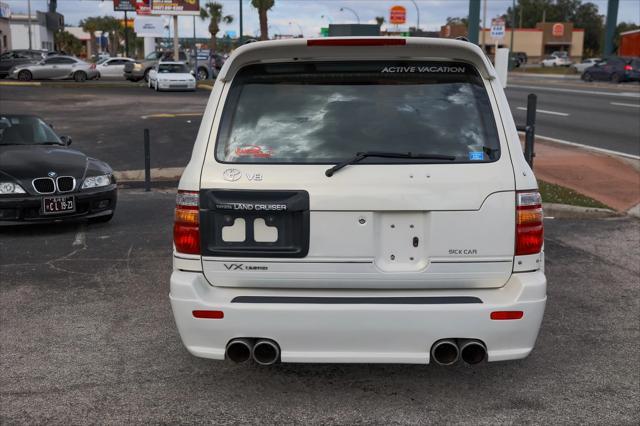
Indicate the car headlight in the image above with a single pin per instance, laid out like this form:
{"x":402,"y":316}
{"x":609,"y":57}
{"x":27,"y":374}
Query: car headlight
{"x":96,"y":181}
{"x":11,"y":188}
{"x":137,"y":67}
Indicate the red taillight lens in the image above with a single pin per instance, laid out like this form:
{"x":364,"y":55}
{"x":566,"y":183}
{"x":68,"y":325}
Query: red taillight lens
{"x":506,"y":315}
{"x":357,"y":42}
{"x":186,"y":227}
{"x":628,"y":68}
{"x":208,"y":314}
{"x":529,"y":227}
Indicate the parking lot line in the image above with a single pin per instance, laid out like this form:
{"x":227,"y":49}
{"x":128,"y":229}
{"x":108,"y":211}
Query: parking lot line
{"x":627,"y":105}
{"x":20,"y":83}
{"x":584,"y":92}
{"x":588,"y":147}
{"x":544,"y":111}
{"x":180,"y":114}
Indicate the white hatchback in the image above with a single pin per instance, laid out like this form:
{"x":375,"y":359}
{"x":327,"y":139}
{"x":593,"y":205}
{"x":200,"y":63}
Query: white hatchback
{"x":171,"y":76}
{"x":358,"y":200}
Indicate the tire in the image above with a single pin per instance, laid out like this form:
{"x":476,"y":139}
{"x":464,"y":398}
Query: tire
{"x":156,"y":86}
{"x":615,"y":78}
{"x":203,"y":74}
{"x":587,"y":77}
{"x":149,"y":84}
{"x":25,"y":75}
{"x":80,"y":76}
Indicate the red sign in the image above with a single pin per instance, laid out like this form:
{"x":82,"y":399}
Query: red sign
{"x":124,"y":6}
{"x":143,"y":7}
{"x":398,"y":15}
{"x":175,"y":7}
{"x":557,"y":30}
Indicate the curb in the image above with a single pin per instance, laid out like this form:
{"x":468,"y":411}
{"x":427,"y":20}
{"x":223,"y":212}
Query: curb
{"x":634,"y":211}
{"x":535,"y":75}
{"x":566,"y":211}
{"x":157,"y":174}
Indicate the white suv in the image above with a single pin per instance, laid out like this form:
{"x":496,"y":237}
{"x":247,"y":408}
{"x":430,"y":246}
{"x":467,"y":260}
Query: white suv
{"x":358,"y":200}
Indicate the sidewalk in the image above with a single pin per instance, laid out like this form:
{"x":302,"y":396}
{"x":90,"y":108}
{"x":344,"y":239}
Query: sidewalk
{"x":609,"y":179}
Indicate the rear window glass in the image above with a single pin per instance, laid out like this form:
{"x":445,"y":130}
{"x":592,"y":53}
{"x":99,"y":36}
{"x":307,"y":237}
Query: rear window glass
{"x":326,"y":112}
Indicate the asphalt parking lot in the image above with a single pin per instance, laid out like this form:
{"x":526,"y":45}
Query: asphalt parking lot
{"x":87,"y":336}
{"x":108,"y":122}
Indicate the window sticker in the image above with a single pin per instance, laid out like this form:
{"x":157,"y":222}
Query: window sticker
{"x":253,"y":151}
{"x":476,"y":156}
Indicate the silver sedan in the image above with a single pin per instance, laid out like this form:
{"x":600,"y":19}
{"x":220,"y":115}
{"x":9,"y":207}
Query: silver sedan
{"x":56,"y":68}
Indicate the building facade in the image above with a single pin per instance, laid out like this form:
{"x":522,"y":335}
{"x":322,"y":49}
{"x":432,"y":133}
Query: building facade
{"x":43,"y":26}
{"x":5,"y":29}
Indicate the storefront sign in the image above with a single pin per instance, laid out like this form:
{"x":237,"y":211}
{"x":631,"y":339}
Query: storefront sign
{"x":398,"y":15}
{"x":124,"y":6}
{"x":175,"y":7}
{"x":557,"y":30}
{"x":149,"y":26}
{"x":497,"y":28}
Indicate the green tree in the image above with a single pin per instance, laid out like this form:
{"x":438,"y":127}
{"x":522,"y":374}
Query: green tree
{"x":380,"y":20}
{"x":213,"y":12}
{"x":116,"y":31}
{"x":91,"y":25}
{"x":457,"y":21}
{"x":263,"y":7}
{"x":67,"y":42}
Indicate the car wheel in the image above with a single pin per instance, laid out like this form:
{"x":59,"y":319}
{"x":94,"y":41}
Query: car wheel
{"x":156,"y":86}
{"x":79,"y":76}
{"x":587,"y":76}
{"x":25,"y":75}
{"x":149,"y":84}
{"x":203,"y":74}
{"x":615,"y":78}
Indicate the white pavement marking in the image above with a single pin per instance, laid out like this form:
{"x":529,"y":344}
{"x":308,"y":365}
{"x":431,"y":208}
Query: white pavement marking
{"x":80,"y":237}
{"x":591,"y":148}
{"x":585,"y":92}
{"x":544,"y":111}
{"x":623,"y":104}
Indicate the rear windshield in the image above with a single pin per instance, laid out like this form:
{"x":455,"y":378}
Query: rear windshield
{"x":172,"y":68}
{"x":326,"y":112}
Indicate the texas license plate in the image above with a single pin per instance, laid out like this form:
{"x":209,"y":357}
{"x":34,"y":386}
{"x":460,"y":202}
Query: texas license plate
{"x":53,"y":205}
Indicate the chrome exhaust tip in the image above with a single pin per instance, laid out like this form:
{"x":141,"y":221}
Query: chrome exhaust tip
{"x":472,"y":351}
{"x":445,"y":352}
{"x":239,"y":350}
{"x":266,"y":352}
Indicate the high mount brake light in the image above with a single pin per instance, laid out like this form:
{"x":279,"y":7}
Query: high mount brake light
{"x":357,"y":42}
{"x":529,"y":227}
{"x":186,"y":226}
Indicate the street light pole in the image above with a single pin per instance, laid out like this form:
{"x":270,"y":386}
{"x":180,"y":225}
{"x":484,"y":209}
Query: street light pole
{"x":418,"y":14}
{"x":29,"y":20}
{"x":240,"y":21}
{"x":342,"y":9}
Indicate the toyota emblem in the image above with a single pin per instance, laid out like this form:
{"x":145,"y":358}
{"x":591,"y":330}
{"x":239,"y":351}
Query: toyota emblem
{"x":231,"y":175}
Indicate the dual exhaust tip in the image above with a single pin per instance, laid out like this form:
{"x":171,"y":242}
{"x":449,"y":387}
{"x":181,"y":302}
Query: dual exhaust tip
{"x":449,"y":351}
{"x":263,"y":351}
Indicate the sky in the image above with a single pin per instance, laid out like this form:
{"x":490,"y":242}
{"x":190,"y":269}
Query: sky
{"x":292,"y":16}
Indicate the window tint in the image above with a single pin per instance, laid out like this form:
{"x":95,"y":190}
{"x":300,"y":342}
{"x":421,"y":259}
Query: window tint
{"x":327,"y":112}
{"x":25,"y":130}
{"x":172,"y":68}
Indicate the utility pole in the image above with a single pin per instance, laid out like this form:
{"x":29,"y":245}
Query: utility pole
{"x":474,"y":21}
{"x":126,"y":35}
{"x":240,"y":35}
{"x":513,"y":25}
{"x":176,"y":48}
{"x":29,"y":21}
{"x":195,"y":49}
{"x":610,"y":28}
{"x":418,"y":15}
{"x":484,"y":24}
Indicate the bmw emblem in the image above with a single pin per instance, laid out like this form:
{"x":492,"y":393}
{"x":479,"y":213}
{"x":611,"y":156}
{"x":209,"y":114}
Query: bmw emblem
{"x":52,"y":174}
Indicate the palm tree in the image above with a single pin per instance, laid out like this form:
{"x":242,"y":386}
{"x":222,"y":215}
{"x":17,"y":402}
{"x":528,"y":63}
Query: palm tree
{"x":263,"y":6}
{"x":213,"y":11}
{"x":67,"y":42}
{"x":115,"y":29}
{"x":380,"y":20}
{"x":91,"y":25}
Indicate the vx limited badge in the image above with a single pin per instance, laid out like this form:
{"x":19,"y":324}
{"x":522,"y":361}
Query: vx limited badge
{"x":242,"y":267}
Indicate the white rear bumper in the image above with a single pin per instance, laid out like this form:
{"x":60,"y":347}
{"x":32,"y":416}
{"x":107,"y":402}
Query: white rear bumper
{"x":364,"y":333}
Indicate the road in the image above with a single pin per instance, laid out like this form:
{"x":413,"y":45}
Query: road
{"x":600,"y":115}
{"x":88,"y":337}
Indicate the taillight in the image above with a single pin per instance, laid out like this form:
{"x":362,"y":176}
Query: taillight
{"x":186,"y":226}
{"x":92,"y":66}
{"x":357,"y":42}
{"x":628,"y":68}
{"x":529,"y":227}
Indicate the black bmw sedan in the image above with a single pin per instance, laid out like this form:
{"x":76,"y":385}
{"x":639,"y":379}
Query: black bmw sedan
{"x":43,"y":180}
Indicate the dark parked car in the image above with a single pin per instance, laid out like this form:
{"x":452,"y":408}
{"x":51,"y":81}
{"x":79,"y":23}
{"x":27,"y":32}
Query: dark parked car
{"x":13,"y":58}
{"x":615,"y":69}
{"x":43,"y":180}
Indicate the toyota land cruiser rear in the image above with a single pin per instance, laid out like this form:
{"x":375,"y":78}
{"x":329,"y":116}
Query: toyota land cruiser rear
{"x":358,"y":200}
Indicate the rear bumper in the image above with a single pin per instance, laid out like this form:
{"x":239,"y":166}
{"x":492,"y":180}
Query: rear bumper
{"x":362,"y":333}
{"x":28,"y":210}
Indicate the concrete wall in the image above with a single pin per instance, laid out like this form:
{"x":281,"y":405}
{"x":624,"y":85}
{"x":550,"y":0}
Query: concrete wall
{"x":41,"y":37}
{"x":525,"y":40}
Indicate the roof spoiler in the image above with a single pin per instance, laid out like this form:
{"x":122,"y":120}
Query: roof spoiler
{"x":363,"y":48}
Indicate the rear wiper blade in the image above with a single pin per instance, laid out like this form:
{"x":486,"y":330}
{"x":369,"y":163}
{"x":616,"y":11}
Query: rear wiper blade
{"x":362,"y":155}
